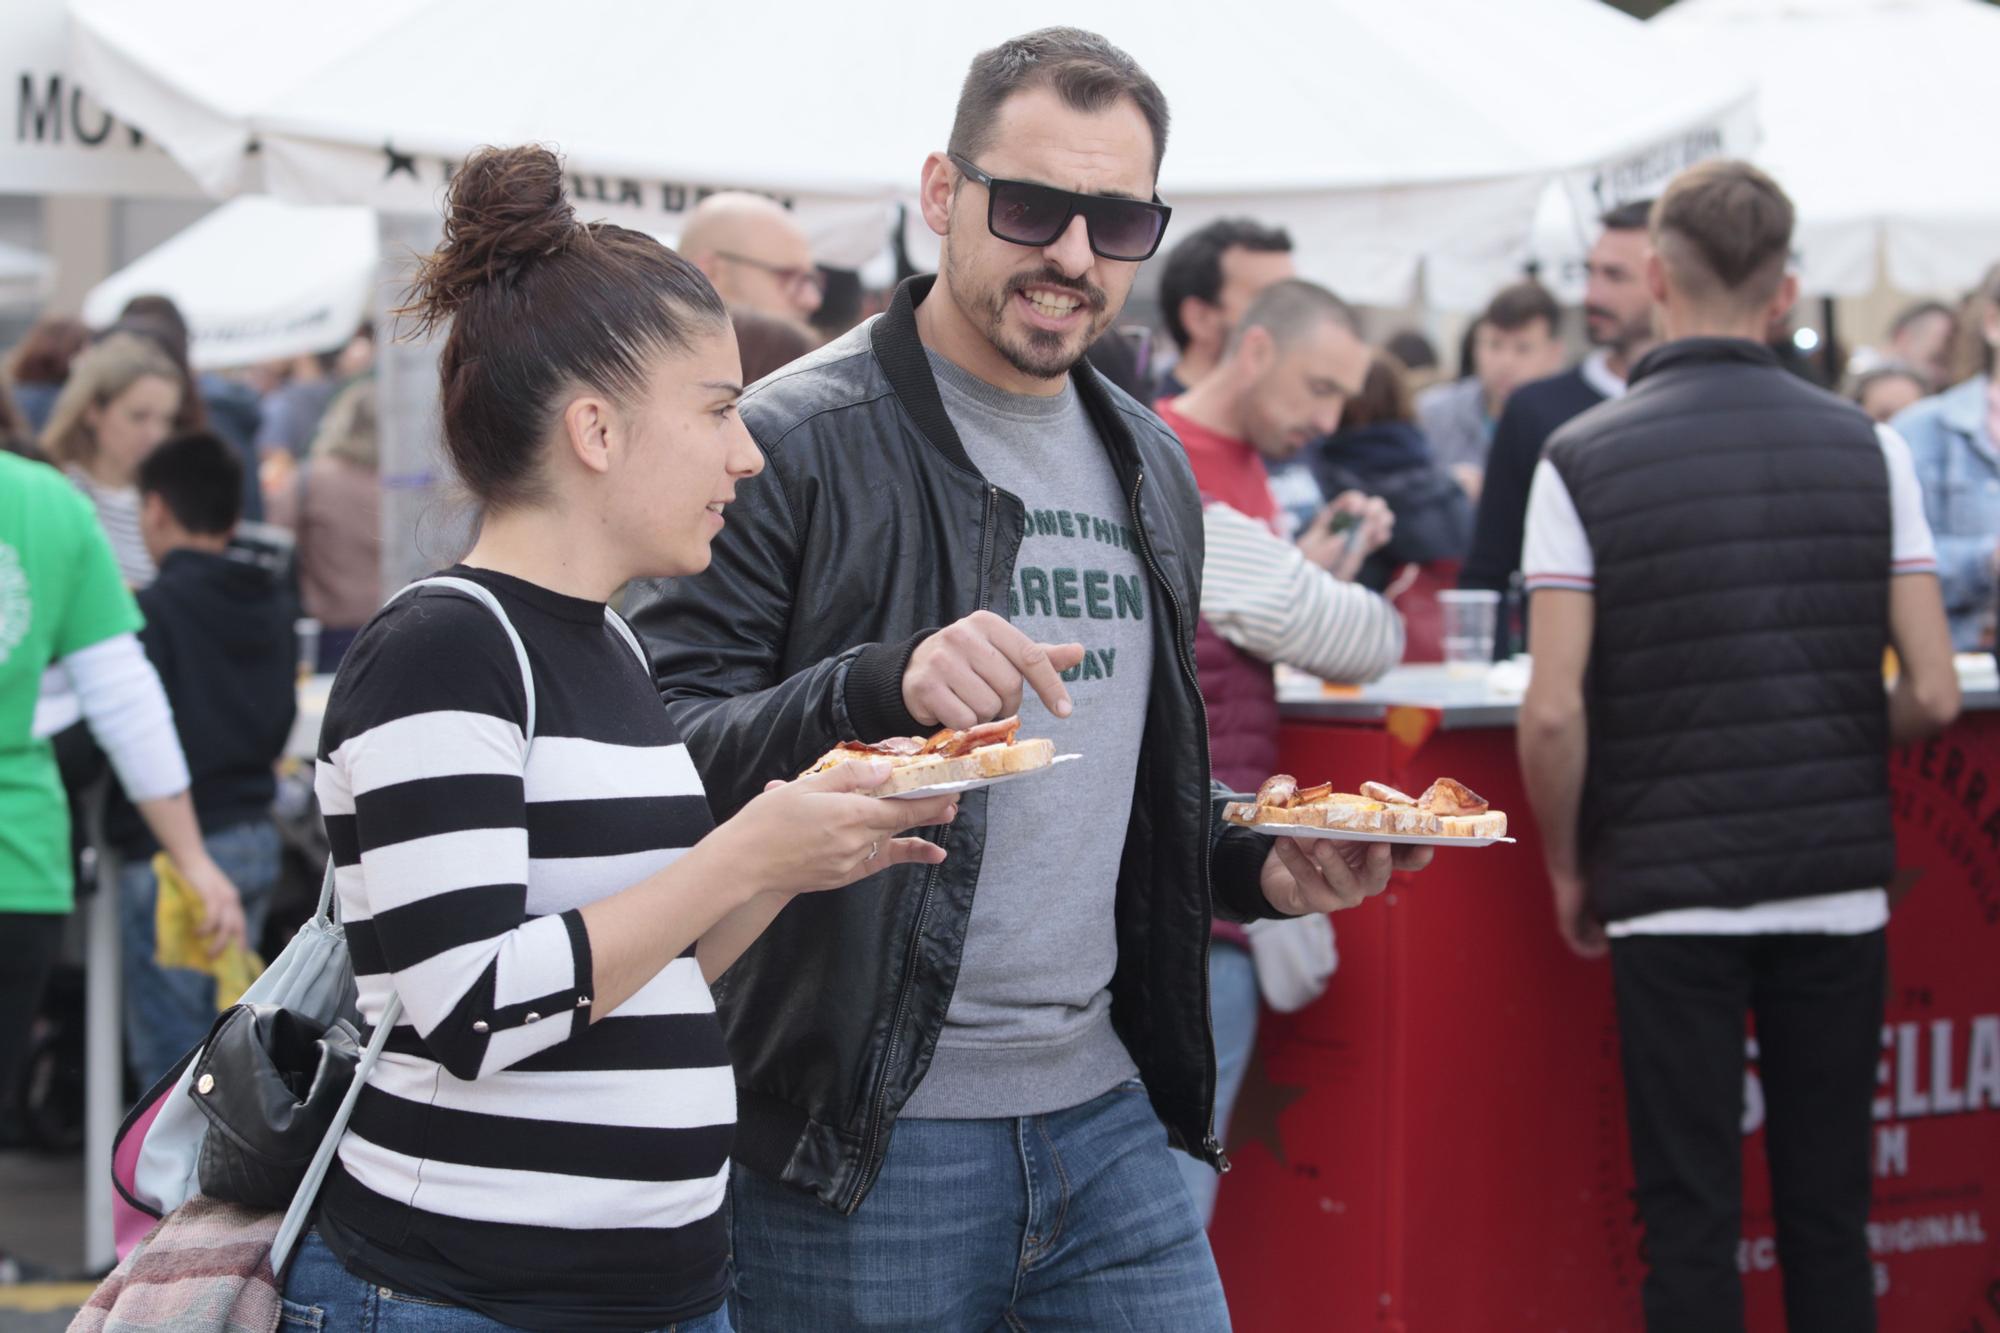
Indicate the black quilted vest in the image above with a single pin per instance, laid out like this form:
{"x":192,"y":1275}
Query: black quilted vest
{"x":1740,"y":525}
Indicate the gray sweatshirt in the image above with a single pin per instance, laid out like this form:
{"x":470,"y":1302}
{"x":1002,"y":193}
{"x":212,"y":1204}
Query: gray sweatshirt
{"x":1029,"y":1028}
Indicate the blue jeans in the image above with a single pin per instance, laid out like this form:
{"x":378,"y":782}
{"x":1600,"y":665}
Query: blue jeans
{"x":1233,"y":1002}
{"x":321,"y":1296}
{"x":169,"y":1010}
{"x":1074,"y":1220}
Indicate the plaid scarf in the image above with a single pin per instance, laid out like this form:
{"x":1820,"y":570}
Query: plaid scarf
{"x":206,"y":1268}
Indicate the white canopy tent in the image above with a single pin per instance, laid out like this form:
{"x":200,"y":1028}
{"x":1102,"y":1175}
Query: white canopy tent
{"x":1869,"y":109}
{"x":64,"y":141}
{"x":25,"y":276}
{"x":258,"y":279}
{"x":1871,"y":112}
{"x":1397,"y":142}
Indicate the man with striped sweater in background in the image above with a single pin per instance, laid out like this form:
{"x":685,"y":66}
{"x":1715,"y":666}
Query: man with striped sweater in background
{"x":1286,"y":372}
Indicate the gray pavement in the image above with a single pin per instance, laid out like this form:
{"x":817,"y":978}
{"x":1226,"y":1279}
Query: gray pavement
{"x":41,"y":1223}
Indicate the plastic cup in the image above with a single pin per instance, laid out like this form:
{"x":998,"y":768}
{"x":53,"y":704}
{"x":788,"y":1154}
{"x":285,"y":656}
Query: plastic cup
{"x":1470,"y":618}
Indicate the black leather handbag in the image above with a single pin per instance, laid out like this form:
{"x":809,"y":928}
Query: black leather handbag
{"x":270,"y":1080}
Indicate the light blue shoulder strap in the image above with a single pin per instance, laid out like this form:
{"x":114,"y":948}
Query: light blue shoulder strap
{"x":617,"y":622}
{"x":485,"y":597}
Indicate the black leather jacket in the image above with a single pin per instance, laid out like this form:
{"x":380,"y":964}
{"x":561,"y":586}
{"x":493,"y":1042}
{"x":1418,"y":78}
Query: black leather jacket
{"x":870,"y":529}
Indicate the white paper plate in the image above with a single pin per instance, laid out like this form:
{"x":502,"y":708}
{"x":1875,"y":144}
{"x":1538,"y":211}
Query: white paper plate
{"x":974,"y":784}
{"x":1350,"y":835}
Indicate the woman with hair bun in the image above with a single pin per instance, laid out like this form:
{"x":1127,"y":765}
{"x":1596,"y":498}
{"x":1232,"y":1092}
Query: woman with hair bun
{"x":544,"y":1144}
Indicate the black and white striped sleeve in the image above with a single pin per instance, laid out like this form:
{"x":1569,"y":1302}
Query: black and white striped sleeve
{"x":424,"y":796}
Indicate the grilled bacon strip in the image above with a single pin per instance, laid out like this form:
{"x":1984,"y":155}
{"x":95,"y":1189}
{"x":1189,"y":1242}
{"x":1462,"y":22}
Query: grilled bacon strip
{"x":944,"y":743}
{"x":898,"y":746}
{"x":951,"y":744}
{"x":1383,"y":792}
{"x":1001,"y":732}
{"x":1280,"y":790}
{"x":1448,"y":796}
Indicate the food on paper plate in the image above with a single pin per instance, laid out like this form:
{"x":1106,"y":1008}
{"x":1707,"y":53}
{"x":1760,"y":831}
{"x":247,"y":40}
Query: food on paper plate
{"x":990,"y":750}
{"x":1447,"y":809}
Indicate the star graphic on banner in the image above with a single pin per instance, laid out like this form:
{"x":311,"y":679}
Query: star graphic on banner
{"x":1259,"y":1106}
{"x":403,"y":162}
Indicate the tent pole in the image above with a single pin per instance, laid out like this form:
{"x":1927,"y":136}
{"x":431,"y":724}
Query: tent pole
{"x":1829,"y":348}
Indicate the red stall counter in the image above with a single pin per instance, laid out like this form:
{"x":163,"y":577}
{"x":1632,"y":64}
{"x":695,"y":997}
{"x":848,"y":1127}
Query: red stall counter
{"x":1438,"y":1145}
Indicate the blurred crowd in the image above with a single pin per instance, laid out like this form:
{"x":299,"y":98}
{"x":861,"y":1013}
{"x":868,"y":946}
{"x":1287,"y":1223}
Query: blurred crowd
{"x":1410,"y":481}
{"x":183,"y":546}
{"x":237,"y":538}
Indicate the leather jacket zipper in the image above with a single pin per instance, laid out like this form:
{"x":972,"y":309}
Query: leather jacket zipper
{"x":871,"y":1161}
{"x":1211,"y":1146}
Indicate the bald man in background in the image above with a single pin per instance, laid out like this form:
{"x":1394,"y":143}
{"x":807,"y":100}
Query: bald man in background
{"x":755,"y":253}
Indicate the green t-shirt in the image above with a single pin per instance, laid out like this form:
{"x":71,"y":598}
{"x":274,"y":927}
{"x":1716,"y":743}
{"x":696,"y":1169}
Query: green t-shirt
{"x":59,"y":592}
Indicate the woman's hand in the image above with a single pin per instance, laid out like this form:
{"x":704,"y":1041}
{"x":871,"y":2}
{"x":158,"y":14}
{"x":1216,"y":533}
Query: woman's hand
{"x":823,"y":831}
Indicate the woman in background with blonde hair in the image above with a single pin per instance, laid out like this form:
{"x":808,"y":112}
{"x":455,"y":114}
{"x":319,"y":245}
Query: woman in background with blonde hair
{"x":334,"y":508}
{"x":117,"y":407}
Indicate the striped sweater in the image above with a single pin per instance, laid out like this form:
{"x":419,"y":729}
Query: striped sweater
{"x":118,"y":514}
{"x":508,"y":1154}
{"x":1261,"y":593}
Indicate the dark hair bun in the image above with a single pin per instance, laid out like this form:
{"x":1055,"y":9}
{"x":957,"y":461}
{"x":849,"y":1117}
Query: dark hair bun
{"x":506,"y":208}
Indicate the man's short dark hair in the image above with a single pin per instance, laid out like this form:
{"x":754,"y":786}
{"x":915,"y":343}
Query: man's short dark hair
{"x":1412,"y":350}
{"x":1635,"y":215}
{"x":1087,"y":72}
{"x":1194,"y":266}
{"x":1517,"y":305}
{"x":1921,"y":310}
{"x":1724,"y":229}
{"x":1291,"y":309}
{"x":162,"y":308}
{"x":201,"y":481}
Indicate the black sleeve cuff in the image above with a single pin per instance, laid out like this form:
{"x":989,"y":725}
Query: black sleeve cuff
{"x":1236,"y":874}
{"x":874,"y":690}
{"x":586,"y":967}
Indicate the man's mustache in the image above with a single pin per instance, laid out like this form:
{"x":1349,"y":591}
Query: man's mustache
{"x":1093,"y":296}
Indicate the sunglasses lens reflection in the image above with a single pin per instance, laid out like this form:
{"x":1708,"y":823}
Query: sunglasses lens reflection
{"x":1122,"y":230}
{"x":1028,"y":214}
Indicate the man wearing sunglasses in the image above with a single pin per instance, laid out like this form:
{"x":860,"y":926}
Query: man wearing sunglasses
{"x":756,"y":255}
{"x":958,"y":1086}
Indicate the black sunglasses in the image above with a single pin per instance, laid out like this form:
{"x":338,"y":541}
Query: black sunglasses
{"x":1024,"y":213}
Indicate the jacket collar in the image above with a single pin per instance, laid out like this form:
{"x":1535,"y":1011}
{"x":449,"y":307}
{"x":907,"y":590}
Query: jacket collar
{"x":901,"y":353}
{"x":1963,"y":408}
{"x":1702,"y":351}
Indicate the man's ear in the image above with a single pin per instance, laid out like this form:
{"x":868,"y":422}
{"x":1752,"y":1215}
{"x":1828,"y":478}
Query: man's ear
{"x":935,"y":191}
{"x":1203,"y":322}
{"x":1656,"y":277}
{"x":1256,"y":350}
{"x":1787,"y":297}
{"x":157,"y":526}
{"x":588,"y":427}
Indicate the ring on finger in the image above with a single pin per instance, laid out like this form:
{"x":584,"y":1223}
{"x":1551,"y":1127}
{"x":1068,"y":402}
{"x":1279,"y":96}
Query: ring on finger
{"x":874,"y":850}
